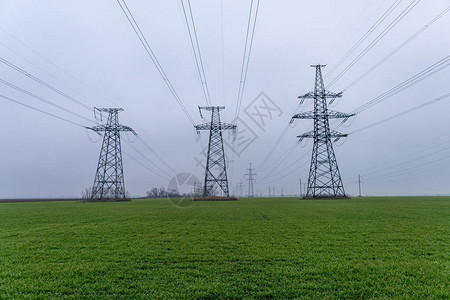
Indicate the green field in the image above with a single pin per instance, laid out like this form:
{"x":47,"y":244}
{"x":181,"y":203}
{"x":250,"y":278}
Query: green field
{"x":251,"y":248}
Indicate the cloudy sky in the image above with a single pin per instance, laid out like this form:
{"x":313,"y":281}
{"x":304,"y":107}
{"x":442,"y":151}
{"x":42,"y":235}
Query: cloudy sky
{"x":89,"y":51}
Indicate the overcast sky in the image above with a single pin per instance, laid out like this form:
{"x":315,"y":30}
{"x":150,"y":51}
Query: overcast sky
{"x":88,"y":50}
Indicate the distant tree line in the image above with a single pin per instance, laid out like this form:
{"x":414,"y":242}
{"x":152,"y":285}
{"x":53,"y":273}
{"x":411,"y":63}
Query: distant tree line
{"x":161,"y":192}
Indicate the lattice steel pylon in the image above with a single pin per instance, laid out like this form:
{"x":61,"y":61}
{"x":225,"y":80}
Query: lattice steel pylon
{"x":109,"y":181}
{"x":216,"y":170}
{"x":324,"y":179}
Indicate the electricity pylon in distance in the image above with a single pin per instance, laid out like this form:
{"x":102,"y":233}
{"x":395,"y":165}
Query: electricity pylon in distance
{"x":324,"y":178}
{"x":250,"y":179}
{"x":109,"y":182}
{"x":216,"y":170}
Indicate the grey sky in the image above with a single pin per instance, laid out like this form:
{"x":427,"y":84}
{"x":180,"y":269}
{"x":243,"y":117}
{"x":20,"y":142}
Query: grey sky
{"x":93,"y":42}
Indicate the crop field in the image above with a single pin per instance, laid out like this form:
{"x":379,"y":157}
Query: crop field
{"x":282,"y":248}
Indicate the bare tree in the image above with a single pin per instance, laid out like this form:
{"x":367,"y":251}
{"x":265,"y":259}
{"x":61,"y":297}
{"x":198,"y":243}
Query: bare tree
{"x":86,"y":194}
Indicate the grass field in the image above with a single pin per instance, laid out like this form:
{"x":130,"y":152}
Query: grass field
{"x":251,"y":248}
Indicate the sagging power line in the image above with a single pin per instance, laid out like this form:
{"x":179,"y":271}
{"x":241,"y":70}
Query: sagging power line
{"x":125,"y":9}
{"x":190,"y":24}
{"x":20,"y":70}
{"x":251,"y":25}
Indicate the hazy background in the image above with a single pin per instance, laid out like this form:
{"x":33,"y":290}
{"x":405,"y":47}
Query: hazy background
{"x":88,"y":50}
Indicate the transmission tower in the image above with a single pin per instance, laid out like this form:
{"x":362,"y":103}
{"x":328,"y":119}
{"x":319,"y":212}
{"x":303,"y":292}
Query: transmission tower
{"x":109,"y":181}
{"x":216,"y":171}
{"x":250,"y":179}
{"x":241,"y":188}
{"x":324,"y":179}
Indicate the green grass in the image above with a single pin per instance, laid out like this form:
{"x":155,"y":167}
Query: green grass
{"x":258,"y":248}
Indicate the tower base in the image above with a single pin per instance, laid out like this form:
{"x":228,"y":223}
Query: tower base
{"x":107,"y":200}
{"x":215,"y":198}
{"x":326,"y":197}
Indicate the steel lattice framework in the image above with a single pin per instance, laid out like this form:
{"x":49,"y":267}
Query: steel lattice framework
{"x":216,"y":170}
{"x":109,"y":182}
{"x":324,"y":178}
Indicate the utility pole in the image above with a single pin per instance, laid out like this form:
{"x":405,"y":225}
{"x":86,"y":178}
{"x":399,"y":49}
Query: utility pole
{"x":109,"y":183}
{"x":269,"y":191}
{"x":216,"y":171}
{"x":324,"y":179}
{"x":359,"y":185}
{"x":300,"y":183}
{"x":250,"y":180}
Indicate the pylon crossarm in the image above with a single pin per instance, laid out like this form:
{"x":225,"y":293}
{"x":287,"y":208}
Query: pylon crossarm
{"x":210,"y":108}
{"x":90,"y":128}
{"x":328,"y":94}
{"x":306,"y":135}
{"x":126,"y":128}
{"x":338,"y":115}
{"x":324,"y":94}
{"x":227,"y":126}
{"x":330,"y":115}
{"x":111,"y":128}
{"x":332,"y":134}
{"x":336,"y":134}
{"x":305,"y":115}
{"x":206,"y":126}
{"x":306,"y":96}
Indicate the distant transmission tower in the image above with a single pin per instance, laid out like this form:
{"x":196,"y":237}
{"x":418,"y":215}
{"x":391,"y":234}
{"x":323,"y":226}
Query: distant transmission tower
{"x":324,"y":178}
{"x":250,"y":179}
{"x":216,"y":171}
{"x":241,"y":188}
{"x":109,"y":181}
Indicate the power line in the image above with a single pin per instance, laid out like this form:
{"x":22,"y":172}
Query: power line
{"x":409,"y":168}
{"x":412,"y":175}
{"x":436,"y":67}
{"x":408,"y":161}
{"x":290,"y":173}
{"x":223,"y":49}
{"x":52,"y":63}
{"x":153,"y":57}
{"x":154,"y":153}
{"x":277,"y":142}
{"x":44,"y":100}
{"x":402,"y":113}
{"x":42,"y":111}
{"x":46,"y":72}
{"x":407,"y":156}
{"x":402,"y":86}
{"x":292,"y":165}
{"x":340,"y":40}
{"x":13,"y":66}
{"x":144,"y":166}
{"x":65,"y":72}
{"x":246,"y":57}
{"x":376,"y":40}
{"x":196,"y":51}
{"x":441,"y":14}
{"x":151,"y":162}
{"x":365,"y":36}
{"x":277,"y":163}
{"x":275,"y":145}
